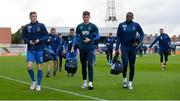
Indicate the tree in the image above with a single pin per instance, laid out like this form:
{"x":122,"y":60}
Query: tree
{"x":16,"y":37}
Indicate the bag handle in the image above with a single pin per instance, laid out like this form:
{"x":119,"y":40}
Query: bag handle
{"x":116,"y":57}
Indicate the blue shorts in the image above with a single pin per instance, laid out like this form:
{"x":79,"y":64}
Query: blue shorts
{"x":33,"y":55}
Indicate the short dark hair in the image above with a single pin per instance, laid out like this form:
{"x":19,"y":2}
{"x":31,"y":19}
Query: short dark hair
{"x":59,"y":34}
{"x":53,"y":29}
{"x":31,"y":13}
{"x":110,"y":33}
{"x":129,"y":13}
{"x":72,"y":29}
{"x":86,"y":13}
{"x":161,"y":29}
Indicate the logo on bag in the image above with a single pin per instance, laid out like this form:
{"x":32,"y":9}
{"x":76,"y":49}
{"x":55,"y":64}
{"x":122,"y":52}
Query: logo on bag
{"x":70,"y":41}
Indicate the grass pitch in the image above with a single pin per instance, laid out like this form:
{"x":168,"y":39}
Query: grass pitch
{"x":150,"y":83}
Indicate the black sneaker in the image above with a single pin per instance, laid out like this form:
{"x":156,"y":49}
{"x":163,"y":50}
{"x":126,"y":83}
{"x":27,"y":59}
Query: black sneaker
{"x":90,"y":88}
{"x":47,"y":75}
{"x":54,"y":73}
{"x":60,"y":69}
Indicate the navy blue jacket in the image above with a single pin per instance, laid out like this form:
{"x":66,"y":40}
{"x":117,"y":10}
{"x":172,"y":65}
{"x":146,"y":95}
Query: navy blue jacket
{"x":55,"y":43}
{"x":62,"y":48}
{"x":87,"y":30}
{"x":33,"y":31}
{"x":71,"y":42}
{"x":164,"y":42}
{"x":126,"y":34}
{"x":109,"y":42}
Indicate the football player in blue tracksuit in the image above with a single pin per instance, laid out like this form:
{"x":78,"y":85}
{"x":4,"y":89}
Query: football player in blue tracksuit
{"x":164,"y":47}
{"x":173,"y":47}
{"x":109,"y":42}
{"x":70,"y":45}
{"x":35,"y":34}
{"x":140,"y":50}
{"x":126,"y":37}
{"x":53,"y":42}
{"x":155,"y":49}
{"x":86,"y":34}
{"x":145,"y":49}
{"x":61,"y":51}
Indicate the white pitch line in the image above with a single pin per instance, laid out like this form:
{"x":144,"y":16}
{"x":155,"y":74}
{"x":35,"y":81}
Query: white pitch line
{"x":54,"y":89}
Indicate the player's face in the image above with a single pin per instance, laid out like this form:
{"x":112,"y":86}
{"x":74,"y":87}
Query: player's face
{"x":86,"y":18}
{"x":71,"y":33}
{"x":33,"y":18}
{"x":60,"y":36}
{"x":129,"y":17}
{"x":53,"y":32}
{"x":110,"y":35}
{"x":161,"y":31}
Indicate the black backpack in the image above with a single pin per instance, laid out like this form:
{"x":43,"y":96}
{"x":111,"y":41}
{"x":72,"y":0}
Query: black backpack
{"x":71,"y":64}
{"x":48,"y":54}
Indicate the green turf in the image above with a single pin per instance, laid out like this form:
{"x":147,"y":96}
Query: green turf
{"x":150,"y":82}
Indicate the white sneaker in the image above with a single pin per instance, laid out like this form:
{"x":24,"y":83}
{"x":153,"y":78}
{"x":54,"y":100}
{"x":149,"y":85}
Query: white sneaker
{"x":163,"y":67}
{"x":125,"y":83}
{"x":84,"y":84}
{"x":90,"y":86}
{"x":38,"y":88}
{"x":33,"y":86}
{"x":130,"y":86}
{"x":110,"y":64}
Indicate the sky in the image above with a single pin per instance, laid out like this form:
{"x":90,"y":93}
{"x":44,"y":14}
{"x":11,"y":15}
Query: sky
{"x":150,"y":14}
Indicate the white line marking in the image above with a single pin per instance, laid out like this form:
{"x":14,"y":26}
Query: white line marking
{"x":54,"y":89}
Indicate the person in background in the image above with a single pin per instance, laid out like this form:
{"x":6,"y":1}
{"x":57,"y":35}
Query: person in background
{"x":145,"y":50}
{"x":173,"y":49}
{"x":164,"y":47}
{"x":109,"y":41}
{"x":61,"y":52}
{"x":53,"y":42}
{"x":156,"y":49}
{"x":71,"y":45}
